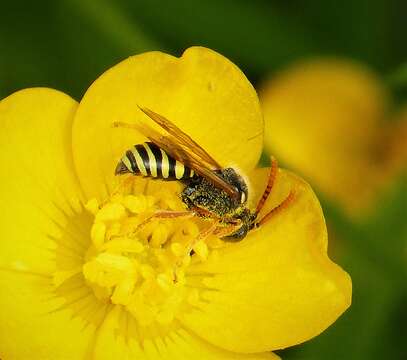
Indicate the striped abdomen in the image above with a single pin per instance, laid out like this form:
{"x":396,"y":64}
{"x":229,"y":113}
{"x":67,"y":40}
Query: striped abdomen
{"x":148,"y":159}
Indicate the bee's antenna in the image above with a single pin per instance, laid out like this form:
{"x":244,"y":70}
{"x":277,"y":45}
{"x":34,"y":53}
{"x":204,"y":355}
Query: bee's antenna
{"x":270,"y":183}
{"x":288,"y":200}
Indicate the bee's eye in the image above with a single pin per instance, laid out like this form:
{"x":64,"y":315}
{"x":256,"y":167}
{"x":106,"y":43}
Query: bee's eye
{"x":242,"y":197}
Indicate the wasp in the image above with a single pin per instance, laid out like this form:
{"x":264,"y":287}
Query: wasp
{"x":210,"y":191}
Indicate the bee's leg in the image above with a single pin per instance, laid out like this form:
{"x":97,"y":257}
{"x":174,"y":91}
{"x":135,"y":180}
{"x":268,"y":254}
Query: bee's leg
{"x":206,"y":214}
{"x":166,"y":214}
{"x":270,"y":183}
{"x":205,"y":233}
{"x":287,"y":201}
{"x":218,"y":229}
{"x":169,"y":214}
{"x":228,"y":229}
{"x":201,"y":236}
{"x":215,"y":229}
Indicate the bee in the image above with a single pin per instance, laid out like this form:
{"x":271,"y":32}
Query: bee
{"x":210,"y":190}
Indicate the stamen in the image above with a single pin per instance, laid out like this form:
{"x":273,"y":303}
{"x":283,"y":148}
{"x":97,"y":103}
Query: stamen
{"x":97,"y":234}
{"x":139,"y":261}
{"x":201,"y":249}
{"x":92,"y":206}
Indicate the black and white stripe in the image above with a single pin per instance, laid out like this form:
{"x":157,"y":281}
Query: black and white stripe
{"x":149,"y":160}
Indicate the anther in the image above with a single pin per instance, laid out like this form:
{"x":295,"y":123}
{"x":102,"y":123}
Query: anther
{"x":140,"y":252}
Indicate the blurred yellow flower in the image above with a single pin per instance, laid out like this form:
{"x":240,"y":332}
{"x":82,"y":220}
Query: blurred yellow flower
{"x":325,"y":119}
{"x":396,"y":143}
{"x":74,"y":285}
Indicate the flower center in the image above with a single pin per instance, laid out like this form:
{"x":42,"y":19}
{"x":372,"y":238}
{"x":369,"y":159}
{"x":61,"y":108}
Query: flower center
{"x":139,"y":261}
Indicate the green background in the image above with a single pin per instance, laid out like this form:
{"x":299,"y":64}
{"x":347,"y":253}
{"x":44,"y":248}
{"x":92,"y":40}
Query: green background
{"x":67,"y":44}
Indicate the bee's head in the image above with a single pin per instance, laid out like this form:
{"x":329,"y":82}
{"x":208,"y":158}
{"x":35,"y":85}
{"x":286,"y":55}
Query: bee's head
{"x":203,"y":194}
{"x":236,"y":180}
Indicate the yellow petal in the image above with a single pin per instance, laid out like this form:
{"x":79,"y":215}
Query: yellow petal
{"x":29,"y":329}
{"x":202,"y":92}
{"x":38,"y":193}
{"x":38,"y":184}
{"x":277,"y":287}
{"x":323,"y":119}
{"x":118,"y":338}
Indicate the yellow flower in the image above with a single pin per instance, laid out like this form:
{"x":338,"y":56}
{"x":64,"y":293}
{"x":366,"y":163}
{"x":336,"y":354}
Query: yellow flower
{"x":325,"y":119}
{"x":395,"y":143}
{"x":78,"y":280}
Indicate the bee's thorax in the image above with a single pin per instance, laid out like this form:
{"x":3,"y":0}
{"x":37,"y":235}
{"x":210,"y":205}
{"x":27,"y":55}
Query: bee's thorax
{"x":200,"y":192}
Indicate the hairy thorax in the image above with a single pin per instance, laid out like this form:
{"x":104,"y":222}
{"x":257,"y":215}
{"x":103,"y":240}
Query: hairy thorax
{"x":201,"y":193}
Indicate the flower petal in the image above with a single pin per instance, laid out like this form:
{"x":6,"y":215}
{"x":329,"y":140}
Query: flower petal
{"x":178,"y":344}
{"x":202,"y":92}
{"x":323,"y":118}
{"x":38,"y":182}
{"x":277,"y":287}
{"x":38,"y":191}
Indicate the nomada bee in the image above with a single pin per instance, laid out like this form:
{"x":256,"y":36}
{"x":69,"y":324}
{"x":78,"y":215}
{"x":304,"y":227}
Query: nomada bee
{"x":210,"y":191}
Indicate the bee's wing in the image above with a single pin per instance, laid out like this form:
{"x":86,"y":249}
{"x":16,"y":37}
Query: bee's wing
{"x":182,"y":138}
{"x":178,"y":145}
{"x":183,"y":155}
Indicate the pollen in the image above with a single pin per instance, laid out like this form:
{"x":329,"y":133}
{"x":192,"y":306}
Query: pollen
{"x":140,"y":262}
